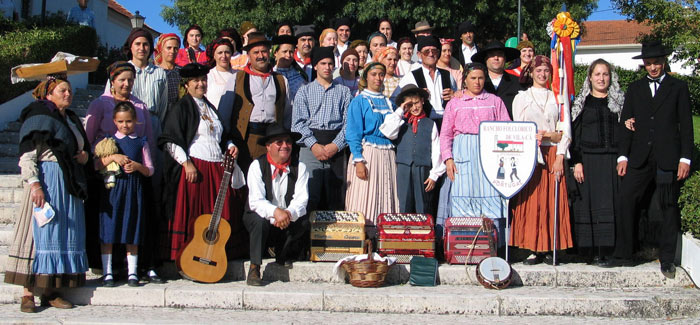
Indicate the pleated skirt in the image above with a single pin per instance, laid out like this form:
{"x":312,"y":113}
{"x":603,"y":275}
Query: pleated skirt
{"x":533,"y":210}
{"x":378,"y":193}
{"x":52,"y":256}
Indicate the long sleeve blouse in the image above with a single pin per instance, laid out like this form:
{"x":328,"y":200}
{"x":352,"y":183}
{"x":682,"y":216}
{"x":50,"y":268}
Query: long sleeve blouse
{"x":463,"y":115}
{"x":366,"y":114}
{"x":99,"y":122}
{"x":539,"y":105}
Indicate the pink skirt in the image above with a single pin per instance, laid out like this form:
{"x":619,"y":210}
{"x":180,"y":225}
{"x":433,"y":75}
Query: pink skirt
{"x":378,"y":193}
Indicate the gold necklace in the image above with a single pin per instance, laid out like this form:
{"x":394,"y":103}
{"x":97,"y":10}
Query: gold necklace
{"x":541,"y":107}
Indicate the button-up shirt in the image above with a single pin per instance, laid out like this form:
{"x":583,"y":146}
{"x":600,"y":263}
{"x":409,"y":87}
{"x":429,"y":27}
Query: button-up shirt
{"x":468,"y":52}
{"x":434,"y":87}
{"x":266,"y":209}
{"x":320,"y":108}
{"x":151,"y":87}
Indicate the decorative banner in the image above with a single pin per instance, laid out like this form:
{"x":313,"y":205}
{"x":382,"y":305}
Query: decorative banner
{"x":508,"y":152}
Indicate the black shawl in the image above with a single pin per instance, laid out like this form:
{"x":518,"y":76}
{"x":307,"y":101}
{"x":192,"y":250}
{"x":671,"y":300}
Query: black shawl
{"x":43,"y":124}
{"x":180,"y":127}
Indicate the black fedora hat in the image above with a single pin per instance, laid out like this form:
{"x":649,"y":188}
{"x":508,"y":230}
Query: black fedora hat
{"x":653,"y":49}
{"x":255,"y":39}
{"x":510,"y":53}
{"x":411,"y":90}
{"x":275,"y":130}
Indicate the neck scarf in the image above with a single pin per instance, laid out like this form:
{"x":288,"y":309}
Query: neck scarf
{"x":304,"y":61}
{"x":249,"y":71}
{"x":413,"y":120}
{"x":279,"y":168}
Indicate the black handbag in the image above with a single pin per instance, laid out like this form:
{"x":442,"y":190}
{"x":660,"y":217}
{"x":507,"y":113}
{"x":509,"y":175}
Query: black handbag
{"x":424,"y":271}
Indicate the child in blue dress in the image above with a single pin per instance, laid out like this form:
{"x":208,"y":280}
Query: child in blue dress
{"x":122,"y":210}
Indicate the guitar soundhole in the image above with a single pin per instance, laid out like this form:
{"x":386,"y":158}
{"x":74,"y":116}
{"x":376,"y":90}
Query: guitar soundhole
{"x":211,"y":237}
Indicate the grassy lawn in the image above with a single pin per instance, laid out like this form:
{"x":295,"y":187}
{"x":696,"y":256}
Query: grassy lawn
{"x":696,"y":126}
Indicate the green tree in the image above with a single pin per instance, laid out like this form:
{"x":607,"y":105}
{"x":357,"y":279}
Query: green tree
{"x":675,"y":22}
{"x":495,"y":19}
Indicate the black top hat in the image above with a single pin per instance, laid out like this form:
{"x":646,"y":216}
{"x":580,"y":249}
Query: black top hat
{"x":275,"y":130}
{"x":411,"y":90}
{"x":511,"y":53}
{"x":193,"y":70}
{"x":255,"y":39}
{"x":653,"y":49}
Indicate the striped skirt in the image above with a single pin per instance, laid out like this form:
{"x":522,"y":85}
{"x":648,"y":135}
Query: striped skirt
{"x":471,"y":194}
{"x":378,"y":193}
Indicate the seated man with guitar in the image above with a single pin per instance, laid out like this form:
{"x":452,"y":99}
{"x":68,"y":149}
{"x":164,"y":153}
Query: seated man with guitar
{"x":277,"y":199}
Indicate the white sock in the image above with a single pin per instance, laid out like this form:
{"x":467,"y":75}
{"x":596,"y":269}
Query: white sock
{"x":132,"y":263}
{"x":152,"y":273}
{"x":107,"y":266}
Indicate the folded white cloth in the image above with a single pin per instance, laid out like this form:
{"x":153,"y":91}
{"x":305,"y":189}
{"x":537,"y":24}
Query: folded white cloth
{"x":339,"y":271}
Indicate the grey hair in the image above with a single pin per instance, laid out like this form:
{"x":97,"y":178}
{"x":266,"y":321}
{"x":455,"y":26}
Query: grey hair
{"x":616,"y":98}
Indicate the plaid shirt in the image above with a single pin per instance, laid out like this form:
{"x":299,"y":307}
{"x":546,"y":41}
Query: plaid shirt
{"x":321,"y":109}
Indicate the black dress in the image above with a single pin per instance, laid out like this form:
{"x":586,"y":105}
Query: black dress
{"x":595,"y":201}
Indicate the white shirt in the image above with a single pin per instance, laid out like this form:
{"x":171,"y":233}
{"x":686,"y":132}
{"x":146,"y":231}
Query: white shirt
{"x":266,"y":209}
{"x":390,"y":128}
{"x":341,"y":47}
{"x":434,"y":87}
{"x":539,"y":105}
{"x":205,"y":145}
{"x":218,"y":83}
{"x":468,"y":52}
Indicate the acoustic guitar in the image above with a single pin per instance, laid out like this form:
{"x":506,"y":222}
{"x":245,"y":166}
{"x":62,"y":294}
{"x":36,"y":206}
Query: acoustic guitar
{"x":204,"y":257}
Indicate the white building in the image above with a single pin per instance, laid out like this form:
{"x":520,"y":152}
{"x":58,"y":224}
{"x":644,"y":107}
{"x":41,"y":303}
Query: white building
{"x":112,"y":21}
{"x":616,"y":42}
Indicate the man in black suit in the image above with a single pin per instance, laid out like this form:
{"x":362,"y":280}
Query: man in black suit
{"x":498,"y":82}
{"x":655,"y":148}
{"x":465,"y":47}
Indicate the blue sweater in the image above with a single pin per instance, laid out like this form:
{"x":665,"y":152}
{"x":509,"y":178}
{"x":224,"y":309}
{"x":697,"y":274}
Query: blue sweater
{"x":366,"y":113}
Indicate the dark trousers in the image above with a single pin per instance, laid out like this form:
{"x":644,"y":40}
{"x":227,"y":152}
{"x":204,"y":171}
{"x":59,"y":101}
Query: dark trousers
{"x":289,"y":243}
{"x":326,"y":180}
{"x":634,"y":186}
{"x":411,"y":191}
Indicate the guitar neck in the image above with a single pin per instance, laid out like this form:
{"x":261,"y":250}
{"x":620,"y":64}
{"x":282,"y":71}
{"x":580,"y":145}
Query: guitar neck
{"x":219,"y":205}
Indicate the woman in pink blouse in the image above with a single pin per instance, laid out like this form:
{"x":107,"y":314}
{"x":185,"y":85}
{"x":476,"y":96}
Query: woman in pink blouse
{"x":466,"y":192}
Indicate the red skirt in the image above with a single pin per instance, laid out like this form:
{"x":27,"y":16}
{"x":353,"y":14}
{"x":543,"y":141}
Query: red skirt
{"x":533,"y":210}
{"x":195,"y":199}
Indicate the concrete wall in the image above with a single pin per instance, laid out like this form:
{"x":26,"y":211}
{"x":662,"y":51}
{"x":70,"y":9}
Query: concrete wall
{"x":620,"y":56}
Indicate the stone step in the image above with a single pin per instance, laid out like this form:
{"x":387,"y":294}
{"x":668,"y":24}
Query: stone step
{"x":9,"y":150}
{"x":6,"y":232}
{"x":163,"y":315}
{"x":11,"y":180}
{"x":444,"y":299}
{"x":8,"y":212}
{"x":11,"y":194}
{"x":9,"y":137}
{"x":8,"y":166}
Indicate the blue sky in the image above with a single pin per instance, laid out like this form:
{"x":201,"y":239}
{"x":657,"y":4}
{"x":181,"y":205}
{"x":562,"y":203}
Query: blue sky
{"x":151,"y":10}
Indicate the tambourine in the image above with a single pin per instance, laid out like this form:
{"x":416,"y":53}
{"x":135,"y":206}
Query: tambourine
{"x":494,"y":273}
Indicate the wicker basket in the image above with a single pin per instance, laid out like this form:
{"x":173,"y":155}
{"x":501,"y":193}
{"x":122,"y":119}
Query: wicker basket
{"x":367,"y":273}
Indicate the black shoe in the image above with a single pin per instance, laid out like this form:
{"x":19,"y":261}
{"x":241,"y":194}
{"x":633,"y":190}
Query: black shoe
{"x":133,"y":280}
{"x":549,"y":260}
{"x":254,"y":278}
{"x":602,"y":261}
{"x":668,"y":270}
{"x":621,"y":262}
{"x":155,"y":279}
{"x":533,"y":259}
{"x":108,"y":282}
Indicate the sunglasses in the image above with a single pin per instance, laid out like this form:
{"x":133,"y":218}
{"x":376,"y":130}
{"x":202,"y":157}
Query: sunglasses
{"x":429,"y":51}
{"x":280,"y":142}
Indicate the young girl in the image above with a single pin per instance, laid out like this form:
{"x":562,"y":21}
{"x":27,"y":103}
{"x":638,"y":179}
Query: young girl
{"x":417,"y":151}
{"x":122,"y":210}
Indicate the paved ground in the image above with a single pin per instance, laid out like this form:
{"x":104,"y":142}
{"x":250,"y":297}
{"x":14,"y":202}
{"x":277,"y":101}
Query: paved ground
{"x":137,"y":315}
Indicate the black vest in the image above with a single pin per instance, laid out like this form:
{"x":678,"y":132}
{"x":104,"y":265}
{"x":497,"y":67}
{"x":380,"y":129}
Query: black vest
{"x":267,"y":178}
{"x":421,"y":83}
{"x":415,"y":147}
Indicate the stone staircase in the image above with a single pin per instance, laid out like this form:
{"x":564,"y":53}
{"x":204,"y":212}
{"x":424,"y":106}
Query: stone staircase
{"x":571,"y":289}
{"x":9,"y":138}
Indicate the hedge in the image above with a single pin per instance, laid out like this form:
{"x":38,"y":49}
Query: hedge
{"x":20,"y":44}
{"x":689,"y":199}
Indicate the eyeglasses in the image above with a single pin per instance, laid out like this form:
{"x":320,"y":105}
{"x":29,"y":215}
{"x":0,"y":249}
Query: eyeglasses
{"x":429,"y":51}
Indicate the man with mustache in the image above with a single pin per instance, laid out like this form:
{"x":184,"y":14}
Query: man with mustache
{"x":260,"y":99}
{"x":277,"y":201}
{"x":320,"y":110}
{"x":306,"y":40}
